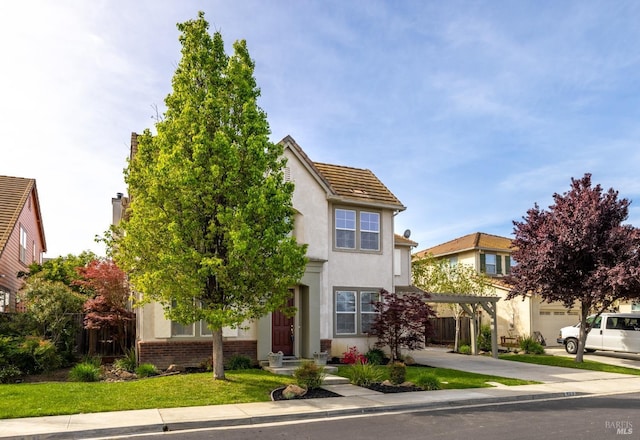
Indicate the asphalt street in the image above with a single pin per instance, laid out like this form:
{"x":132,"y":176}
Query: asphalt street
{"x":588,"y":418}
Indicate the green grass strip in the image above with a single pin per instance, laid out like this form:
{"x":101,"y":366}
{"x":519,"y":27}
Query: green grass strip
{"x":450,"y":379}
{"x":58,"y":398}
{"x":569,"y":362}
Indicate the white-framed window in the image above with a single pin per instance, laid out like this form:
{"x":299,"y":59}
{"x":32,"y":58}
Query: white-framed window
{"x":357,"y":230}
{"x":23,"y":245}
{"x":509,"y":263}
{"x":368,"y":313}
{"x":198,"y":329}
{"x":345,"y":229}
{"x":354,"y":311}
{"x":5,"y":300}
{"x":204,"y":329}
{"x":346,"y":312}
{"x":179,"y":330}
{"x":635,"y":306}
{"x":490,"y":265}
{"x":369,"y":231}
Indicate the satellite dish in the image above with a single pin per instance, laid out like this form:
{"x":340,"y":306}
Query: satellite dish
{"x":407,"y":233}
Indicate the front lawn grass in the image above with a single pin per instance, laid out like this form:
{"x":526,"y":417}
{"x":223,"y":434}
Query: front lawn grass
{"x":197,"y":389}
{"x":449,"y":379}
{"x":58,"y":398}
{"x":568,"y":362}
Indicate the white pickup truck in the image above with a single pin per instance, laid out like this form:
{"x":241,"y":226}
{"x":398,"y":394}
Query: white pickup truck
{"x":620,"y":332}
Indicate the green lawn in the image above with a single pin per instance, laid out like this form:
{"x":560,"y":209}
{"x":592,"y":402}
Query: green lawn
{"x":56,"y":398}
{"x":568,"y":362}
{"x":450,"y":379}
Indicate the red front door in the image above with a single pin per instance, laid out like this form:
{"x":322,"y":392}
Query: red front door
{"x":282,"y":331}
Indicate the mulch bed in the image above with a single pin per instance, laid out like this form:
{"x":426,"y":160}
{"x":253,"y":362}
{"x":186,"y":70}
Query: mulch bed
{"x":388,"y":389}
{"x":317,"y":393}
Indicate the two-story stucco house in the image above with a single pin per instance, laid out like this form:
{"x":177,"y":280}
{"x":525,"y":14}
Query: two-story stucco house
{"x":491,"y":254}
{"x":346,"y":217}
{"x":22,"y":239}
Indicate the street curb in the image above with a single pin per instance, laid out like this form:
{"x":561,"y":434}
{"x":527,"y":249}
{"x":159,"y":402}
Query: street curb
{"x":315,"y":415}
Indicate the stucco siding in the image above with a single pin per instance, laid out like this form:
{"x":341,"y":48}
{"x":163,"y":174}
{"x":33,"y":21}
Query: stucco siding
{"x":310,"y":201}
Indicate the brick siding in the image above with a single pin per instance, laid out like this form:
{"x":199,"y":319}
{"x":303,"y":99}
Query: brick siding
{"x":191,"y":353}
{"x":325,"y":345}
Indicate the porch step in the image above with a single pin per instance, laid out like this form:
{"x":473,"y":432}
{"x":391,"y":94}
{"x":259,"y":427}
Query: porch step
{"x":289,"y":365}
{"x":287,"y":361}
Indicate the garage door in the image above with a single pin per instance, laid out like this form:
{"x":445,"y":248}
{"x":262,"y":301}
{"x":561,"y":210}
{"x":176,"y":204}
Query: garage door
{"x":550,"y":321}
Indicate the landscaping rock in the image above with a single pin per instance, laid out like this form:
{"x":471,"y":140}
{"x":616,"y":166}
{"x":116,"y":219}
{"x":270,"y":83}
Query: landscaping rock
{"x":293,"y":391}
{"x":173,"y":368}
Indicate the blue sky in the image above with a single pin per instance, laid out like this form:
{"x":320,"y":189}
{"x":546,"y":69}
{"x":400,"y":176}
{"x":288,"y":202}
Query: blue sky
{"x":469,"y":111}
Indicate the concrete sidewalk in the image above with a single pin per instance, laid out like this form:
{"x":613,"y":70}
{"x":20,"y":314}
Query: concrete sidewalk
{"x":557,"y":382}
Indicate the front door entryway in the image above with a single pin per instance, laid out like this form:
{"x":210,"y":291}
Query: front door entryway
{"x":282,"y":330}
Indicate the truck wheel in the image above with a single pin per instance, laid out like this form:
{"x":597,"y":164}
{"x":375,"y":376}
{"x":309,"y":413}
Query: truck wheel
{"x":571,"y":345}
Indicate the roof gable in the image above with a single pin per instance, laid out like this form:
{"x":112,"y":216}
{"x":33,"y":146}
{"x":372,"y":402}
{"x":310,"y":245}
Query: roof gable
{"x":347,"y":184}
{"x":400,"y":240}
{"x":14,"y":193}
{"x":475,"y":241}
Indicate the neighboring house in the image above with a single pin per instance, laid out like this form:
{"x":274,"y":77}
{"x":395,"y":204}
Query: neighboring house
{"x":491,"y":254}
{"x":21,"y":236}
{"x":346,"y":217}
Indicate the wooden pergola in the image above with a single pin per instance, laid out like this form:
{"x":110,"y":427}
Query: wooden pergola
{"x":470,"y":304}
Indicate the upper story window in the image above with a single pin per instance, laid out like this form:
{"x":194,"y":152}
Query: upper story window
{"x":345,"y":229}
{"x":494,"y":264}
{"x":490,"y":264}
{"x":370,"y":231}
{"x":23,"y":245}
{"x":357,"y":230}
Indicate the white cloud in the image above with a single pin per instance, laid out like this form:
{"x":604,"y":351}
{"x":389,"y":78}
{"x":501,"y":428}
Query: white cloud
{"x":469,"y":113}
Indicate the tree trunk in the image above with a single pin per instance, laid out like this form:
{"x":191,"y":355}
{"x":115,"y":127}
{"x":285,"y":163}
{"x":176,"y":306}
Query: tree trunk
{"x":217,"y":360}
{"x":456,"y":338}
{"x":582,"y":335}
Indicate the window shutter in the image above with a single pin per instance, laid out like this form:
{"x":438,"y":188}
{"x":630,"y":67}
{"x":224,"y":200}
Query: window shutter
{"x":483,"y":263}
{"x":498,"y":264}
{"x":507,"y":264}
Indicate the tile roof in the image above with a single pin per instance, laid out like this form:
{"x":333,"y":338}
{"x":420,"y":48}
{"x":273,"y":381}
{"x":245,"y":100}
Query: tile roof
{"x":347,"y":183}
{"x":357,"y":184}
{"x":14,"y":192}
{"x":477,"y":240}
{"x":399,"y":239}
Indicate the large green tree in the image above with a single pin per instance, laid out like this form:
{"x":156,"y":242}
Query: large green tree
{"x":438,"y":275}
{"x":62,"y":269}
{"x":209,"y":230}
{"x":52,"y":306}
{"x":578,"y":251}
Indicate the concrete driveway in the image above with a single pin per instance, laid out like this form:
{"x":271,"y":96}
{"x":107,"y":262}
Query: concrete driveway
{"x":442,"y":358}
{"x":631,"y":360}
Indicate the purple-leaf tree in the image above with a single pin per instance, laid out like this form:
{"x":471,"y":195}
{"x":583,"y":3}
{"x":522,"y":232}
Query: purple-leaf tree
{"x":402,"y":321}
{"x":578,"y":252}
{"x":109,"y":306}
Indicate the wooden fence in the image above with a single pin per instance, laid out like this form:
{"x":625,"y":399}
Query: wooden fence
{"x":444,"y":330}
{"x":103,"y":342}
{"x":93,"y":342}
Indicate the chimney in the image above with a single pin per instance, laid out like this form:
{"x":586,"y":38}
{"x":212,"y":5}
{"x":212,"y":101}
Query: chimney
{"x":117,"y":205}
